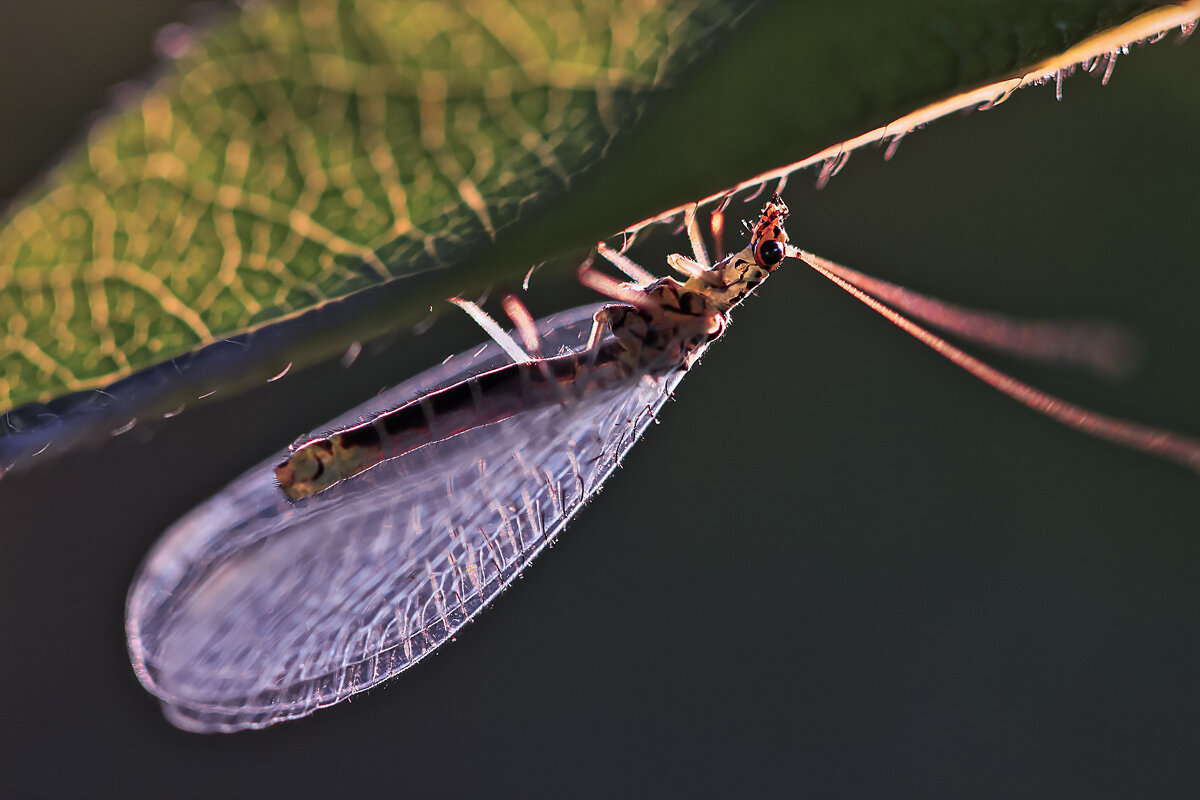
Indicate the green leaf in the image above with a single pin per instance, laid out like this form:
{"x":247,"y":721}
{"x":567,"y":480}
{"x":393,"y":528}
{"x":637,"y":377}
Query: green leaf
{"x":299,"y":153}
{"x":294,"y":154}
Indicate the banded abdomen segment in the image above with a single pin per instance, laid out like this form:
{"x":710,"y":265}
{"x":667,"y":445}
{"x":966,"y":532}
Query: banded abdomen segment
{"x":480,"y":400}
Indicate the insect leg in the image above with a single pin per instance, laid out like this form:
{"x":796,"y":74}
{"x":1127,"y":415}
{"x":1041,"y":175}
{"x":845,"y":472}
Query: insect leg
{"x":523,"y":320}
{"x":600,"y":319}
{"x":693,"y":269}
{"x":693,"y":230}
{"x":608,"y":286}
{"x":498,"y":334}
{"x":625,"y":264}
{"x":717,"y":224}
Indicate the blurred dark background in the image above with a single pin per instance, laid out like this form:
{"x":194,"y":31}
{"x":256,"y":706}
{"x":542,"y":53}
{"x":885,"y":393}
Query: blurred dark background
{"x":879,"y":578}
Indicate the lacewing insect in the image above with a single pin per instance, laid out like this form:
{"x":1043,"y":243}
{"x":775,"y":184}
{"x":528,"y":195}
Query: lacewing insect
{"x":350,"y":556}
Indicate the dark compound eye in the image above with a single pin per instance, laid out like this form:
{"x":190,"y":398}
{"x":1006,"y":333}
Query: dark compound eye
{"x":769,"y":252}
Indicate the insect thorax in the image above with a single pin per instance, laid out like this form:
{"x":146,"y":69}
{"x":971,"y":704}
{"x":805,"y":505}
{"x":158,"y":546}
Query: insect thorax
{"x":684,"y":316}
{"x":729,"y":281}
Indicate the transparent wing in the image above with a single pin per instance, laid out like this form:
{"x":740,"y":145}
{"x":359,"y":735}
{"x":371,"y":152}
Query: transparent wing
{"x":251,"y":610}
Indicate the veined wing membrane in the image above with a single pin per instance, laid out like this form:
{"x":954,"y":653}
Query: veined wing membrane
{"x":252,"y":609}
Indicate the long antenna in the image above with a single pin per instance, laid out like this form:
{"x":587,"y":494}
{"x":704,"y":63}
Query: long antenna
{"x":1107,"y":349}
{"x":1136,"y":436}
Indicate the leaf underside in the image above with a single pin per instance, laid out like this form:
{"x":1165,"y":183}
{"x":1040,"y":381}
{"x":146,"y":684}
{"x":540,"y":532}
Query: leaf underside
{"x":392,"y":153}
